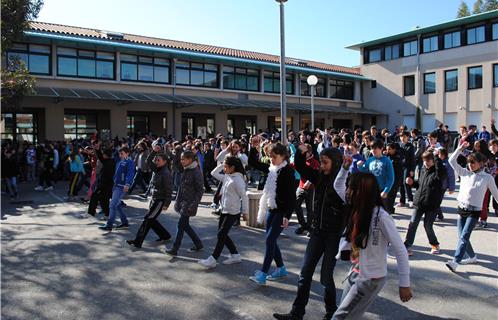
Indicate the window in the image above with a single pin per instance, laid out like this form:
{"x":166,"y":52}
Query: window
{"x":408,"y":85}
{"x":240,"y":78}
{"x":430,"y":82}
{"x":35,"y":57}
{"x":495,"y":31}
{"x":475,"y":77}
{"x":475,"y":35}
{"x":410,"y":48}
{"x":85,"y":63}
{"x":319,"y":88}
{"x":391,"y":52}
{"x":451,"y":80}
{"x":341,"y":89}
{"x":272,"y":82}
{"x":374,"y":55}
{"x":452,"y":40}
{"x":145,"y":69}
{"x":138,"y":125}
{"x":196,"y":74}
{"x":373,"y":84}
{"x":79,"y":125}
{"x":495,"y":75}
{"x":430,"y":44}
{"x":19,"y":127}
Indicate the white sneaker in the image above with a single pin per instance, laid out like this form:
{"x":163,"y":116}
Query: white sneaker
{"x":209,"y":263}
{"x":410,"y":204}
{"x":39,"y":188}
{"x":49,"y":188}
{"x":452,"y":265}
{"x":472,"y":260}
{"x":233,"y":258}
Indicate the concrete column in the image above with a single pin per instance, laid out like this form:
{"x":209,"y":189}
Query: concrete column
{"x":262,"y":80}
{"x":262,"y":121}
{"x":54,"y":122}
{"x":220,"y":122}
{"x":118,"y":66}
{"x":440,"y":107}
{"x":357,"y":90}
{"x":118,"y":121}
{"x":54,"y":60}
{"x":462,"y":97}
{"x":220,"y":86}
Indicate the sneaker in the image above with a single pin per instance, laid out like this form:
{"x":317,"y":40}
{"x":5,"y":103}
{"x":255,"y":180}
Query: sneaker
{"x":410,"y":204}
{"x":143,"y":196}
{"x":287,"y":316}
{"x":472,"y":260}
{"x":409,"y":251}
{"x":208,"y":263}
{"x":39,"y":188}
{"x":400,"y":205}
{"x":105,"y":228}
{"x":300,"y":230}
{"x":483,"y":224}
{"x":195,"y":249}
{"x":435,"y":249}
{"x":132,"y":243}
{"x":122,"y":226}
{"x":163,"y":240}
{"x":259,"y":277}
{"x":233,"y":258}
{"x":278,"y":274}
{"x":49,"y":188}
{"x":452,"y":265}
{"x":213,"y":206}
{"x":172,"y":252}
{"x":216,"y":212}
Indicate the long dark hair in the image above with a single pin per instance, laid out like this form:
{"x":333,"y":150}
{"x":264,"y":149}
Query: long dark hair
{"x":235,"y":162}
{"x":362,"y":195}
{"x":336,"y":157}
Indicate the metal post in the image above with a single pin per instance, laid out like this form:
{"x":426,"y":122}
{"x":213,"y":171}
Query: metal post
{"x":313,"y":108}
{"x":283,"y":108}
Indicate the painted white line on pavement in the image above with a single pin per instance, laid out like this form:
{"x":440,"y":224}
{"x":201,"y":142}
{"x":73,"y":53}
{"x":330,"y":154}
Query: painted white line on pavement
{"x":56,"y":196}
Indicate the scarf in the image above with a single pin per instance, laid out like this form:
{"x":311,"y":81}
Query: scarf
{"x":268,"y":199}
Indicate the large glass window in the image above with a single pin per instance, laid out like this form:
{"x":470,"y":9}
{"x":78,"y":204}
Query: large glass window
{"x":35,"y":57}
{"x":430,"y":44}
{"x":374,"y":55}
{"x":137,"y":125}
{"x":475,"y":35}
{"x":474,"y":77}
{"x":495,"y":31}
{"x":391,"y":52}
{"x":319,"y":88}
{"x":452,"y":39}
{"x":144,"y":69}
{"x":451,"y":80}
{"x":19,"y":127}
{"x":495,"y":75}
{"x":85,"y":63}
{"x":272,"y":82}
{"x":408,"y":85}
{"x":430,"y":82}
{"x":78,"y":126}
{"x":240,"y":78}
{"x":340,"y":89}
{"x":410,"y":48}
{"x":196,"y":74}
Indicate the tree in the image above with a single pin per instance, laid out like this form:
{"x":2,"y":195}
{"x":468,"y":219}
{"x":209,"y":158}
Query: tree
{"x":16,"y":80}
{"x":490,"y":5}
{"x":478,"y":7}
{"x":463,"y":10}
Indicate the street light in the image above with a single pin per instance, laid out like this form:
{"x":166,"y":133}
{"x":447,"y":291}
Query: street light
{"x":312,"y":81}
{"x":283,"y":109}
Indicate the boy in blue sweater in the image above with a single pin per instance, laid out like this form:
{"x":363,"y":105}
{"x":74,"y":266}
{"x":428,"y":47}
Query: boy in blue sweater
{"x":381,"y":167}
{"x":123,"y":178}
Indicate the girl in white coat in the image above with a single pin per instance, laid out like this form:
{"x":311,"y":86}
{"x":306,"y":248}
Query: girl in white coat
{"x":234,"y":201}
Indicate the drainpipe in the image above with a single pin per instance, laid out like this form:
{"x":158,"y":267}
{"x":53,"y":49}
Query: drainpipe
{"x":419,"y":111}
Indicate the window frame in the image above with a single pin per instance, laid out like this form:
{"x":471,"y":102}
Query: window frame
{"x":405,"y":94}
{"x":425,"y":82}
{"x":430,"y":39}
{"x":235,"y":72}
{"x":321,"y":82}
{"x":468,"y":78}
{"x":452,"y":35}
{"x":274,"y":77}
{"x":370,"y":55}
{"x":390,"y":49}
{"x":495,"y":75}
{"x":137,"y":63}
{"x":411,"y":42}
{"x":191,"y":68}
{"x":475,"y":28}
{"x":28,"y":52}
{"x":494,"y":31}
{"x":95,"y":58}
{"x":338,"y":85}
{"x":446,"y":80}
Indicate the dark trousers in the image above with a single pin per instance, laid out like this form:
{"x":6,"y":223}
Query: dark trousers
{"x":391,"y":196}
{"x":324,"y":244}
{"x":405,"y":190}
{"x":429,"y":217}
{"x":46,"y":177}
{"x":274,"y":227}
{"x":140,"y":179}
{"x":150,"y":221}
{"x":101,"y":196}
{"x":225,"y":223}
{"x":207,"y":173}
{"x":303,"y":195}
{"x":75,"y":184}
{"x":184,"y":226}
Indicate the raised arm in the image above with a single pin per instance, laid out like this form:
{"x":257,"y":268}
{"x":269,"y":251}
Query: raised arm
{"x":216,"y":173}
{"x":340,"y":183}
{"x":454,"y":163}
{"x":305,"y":171}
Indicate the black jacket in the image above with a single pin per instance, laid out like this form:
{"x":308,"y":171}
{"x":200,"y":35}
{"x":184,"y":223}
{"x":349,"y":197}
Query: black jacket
{"x":429,"y":187}
{"x":397,"y":162}
{"x":328,"y":208}
{"x":105,"y":180}
{"x":161,"y":183}
{"x":408,"y":154}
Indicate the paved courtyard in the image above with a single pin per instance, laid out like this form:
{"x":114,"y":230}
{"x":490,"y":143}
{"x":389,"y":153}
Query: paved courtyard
{"x":56,"y":264}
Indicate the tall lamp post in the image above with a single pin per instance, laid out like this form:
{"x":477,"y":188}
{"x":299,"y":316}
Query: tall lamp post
{"x":283,"y":108}
{"x":312,"y":81}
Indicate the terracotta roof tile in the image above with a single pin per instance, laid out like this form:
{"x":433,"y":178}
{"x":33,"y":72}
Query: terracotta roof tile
{"x":182,"y":45}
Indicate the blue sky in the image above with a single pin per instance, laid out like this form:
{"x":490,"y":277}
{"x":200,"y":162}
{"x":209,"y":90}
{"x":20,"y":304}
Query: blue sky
{"x":315,"y":29}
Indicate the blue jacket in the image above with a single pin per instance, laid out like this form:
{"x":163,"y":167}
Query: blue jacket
{"x":449,"y":181}
{"x":354,"y":165}
{"x":485,"y":135}
{"x":76,"y":165}
{"x":125,"y":171}
{"x":382,"y":169}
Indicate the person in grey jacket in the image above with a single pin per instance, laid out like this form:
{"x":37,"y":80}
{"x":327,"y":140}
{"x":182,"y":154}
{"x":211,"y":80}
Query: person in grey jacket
{"x":161,"y":189}
{"x":187,"y":200}
{"x":142,"y":170}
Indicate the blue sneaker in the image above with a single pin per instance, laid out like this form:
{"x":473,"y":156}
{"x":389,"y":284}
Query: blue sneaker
{"x":277,"y":274}
{"x":259,"y":277}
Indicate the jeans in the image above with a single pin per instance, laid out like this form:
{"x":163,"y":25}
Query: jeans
{"x":405,"y":190}
{"x":177,"y":178}
{"x":150,"y":221}
{"x":31,"y":172}
{"x":303,"y":195}
{"x":184,"y":226}
{"x":11,"y":186}
{"x":465,"y":226}
{"x":274,"y":227}
{"x":115,"y":207}
{"x":357,"y":296}
{"x":224,"y":225}
{"x":326,"y":244}
{"x":430,"y":216}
